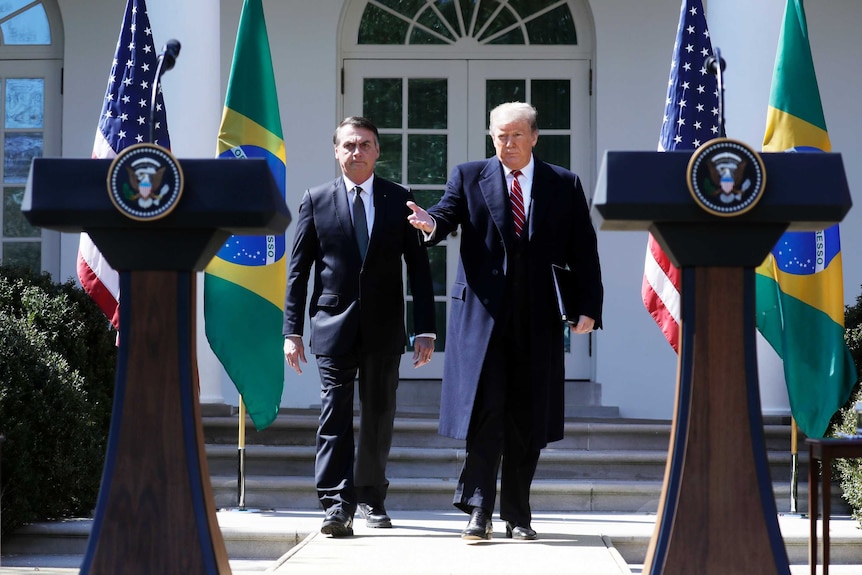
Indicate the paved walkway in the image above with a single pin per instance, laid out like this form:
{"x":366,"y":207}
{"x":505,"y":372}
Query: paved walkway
{"x":428,"y":542}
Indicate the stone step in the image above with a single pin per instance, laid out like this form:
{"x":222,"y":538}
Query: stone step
{"x":446,"y":462}
{"x":570,"y":496}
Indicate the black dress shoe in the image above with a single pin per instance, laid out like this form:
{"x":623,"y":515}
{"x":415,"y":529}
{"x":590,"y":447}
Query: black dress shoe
{"x":337,"y":523}
{"x":479,"y":528}
{"x":520,"y":533}
{"x":375,"y":516}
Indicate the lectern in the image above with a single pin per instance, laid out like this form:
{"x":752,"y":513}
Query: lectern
{"x":155,"y":512}
{"x":717,"y":512}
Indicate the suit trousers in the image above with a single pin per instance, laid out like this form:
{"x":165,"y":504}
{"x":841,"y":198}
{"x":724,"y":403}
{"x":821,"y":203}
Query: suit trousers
{"x":342,"y":478}
{"x":501,"y":428}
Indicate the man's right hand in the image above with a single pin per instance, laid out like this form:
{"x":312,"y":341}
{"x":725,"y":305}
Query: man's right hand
{"x":420,"y":219}
{"x":294,"y":352}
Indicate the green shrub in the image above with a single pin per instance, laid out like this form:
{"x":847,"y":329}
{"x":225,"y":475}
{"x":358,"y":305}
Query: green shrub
{"x":57,"y":369}
{"x":850,"y":470}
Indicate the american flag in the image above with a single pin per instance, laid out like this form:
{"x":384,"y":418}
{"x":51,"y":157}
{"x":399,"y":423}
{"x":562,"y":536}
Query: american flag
{"x":691,"y":117}
{"x":124,"y":121}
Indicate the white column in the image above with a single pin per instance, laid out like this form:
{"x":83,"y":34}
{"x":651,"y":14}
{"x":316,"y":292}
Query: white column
{"x":194,"y":102}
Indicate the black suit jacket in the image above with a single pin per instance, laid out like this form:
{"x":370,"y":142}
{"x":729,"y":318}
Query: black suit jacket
{"x":354,"y":301}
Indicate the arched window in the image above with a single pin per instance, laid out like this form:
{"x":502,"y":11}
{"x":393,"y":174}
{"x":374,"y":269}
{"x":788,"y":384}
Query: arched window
{"x":30,"y":71}
{"x":483,"y":21}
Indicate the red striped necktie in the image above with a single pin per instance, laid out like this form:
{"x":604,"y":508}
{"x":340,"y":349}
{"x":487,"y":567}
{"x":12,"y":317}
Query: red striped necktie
{"x":517,"y":197}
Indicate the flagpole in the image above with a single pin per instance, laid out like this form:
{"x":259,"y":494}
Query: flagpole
{"x":794,"y":465}
{"x":240,"y":482}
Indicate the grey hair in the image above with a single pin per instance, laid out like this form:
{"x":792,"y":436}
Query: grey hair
{"x":513,"y":111}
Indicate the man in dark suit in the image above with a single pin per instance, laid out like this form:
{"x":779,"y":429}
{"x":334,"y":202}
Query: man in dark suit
{"x":503,"y":375}
{"x":354,"y":231}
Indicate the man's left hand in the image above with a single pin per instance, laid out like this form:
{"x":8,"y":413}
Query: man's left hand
{"x":423,"y":349}
{"x":585,"y":325}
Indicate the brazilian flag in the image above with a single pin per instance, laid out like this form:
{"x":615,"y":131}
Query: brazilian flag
{"x":244,"y":283}
{"x":800,"y":291}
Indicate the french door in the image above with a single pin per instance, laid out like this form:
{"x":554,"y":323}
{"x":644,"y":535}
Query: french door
{"x":433,"y":115}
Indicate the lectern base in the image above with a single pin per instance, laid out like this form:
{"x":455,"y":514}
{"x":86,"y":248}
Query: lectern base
{"x":156,"y":512}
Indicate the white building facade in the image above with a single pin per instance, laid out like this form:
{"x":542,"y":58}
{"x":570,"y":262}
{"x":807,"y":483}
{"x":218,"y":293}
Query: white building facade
{"x":426,"y":71}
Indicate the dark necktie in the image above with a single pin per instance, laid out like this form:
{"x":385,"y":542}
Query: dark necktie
{"x":360,"y":223}
{"x":518,"y":214}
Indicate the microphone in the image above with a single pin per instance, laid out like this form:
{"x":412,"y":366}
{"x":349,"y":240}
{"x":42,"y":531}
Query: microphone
{"x":166,"y":61}
{"x":169,"y":55}
{"x":712,"y":64}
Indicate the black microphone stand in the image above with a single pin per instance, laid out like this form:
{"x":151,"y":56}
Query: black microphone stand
{"x":166,"y":61}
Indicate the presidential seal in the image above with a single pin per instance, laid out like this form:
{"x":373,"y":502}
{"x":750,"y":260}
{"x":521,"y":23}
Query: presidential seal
{"x":145,"y":182}
{"x":726,"y":177}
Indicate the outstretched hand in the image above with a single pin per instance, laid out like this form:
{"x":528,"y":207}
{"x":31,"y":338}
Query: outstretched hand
{"x":420,"y":219}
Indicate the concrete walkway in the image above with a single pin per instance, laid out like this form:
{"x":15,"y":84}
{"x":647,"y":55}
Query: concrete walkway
{"x":428,"y":542}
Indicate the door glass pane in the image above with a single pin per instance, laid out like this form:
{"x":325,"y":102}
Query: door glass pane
{"x":19,"y":150}
{"x":29,"y":27}
{"x":500,"y":91}
{"x":15,"y":225}
{"x":552,"y":99}
{"x":427,"y":198}
{"x":427,"y":104}
{"x":24,"y":254}
{"x":381,"y":101}
{"x":390,"y":161}
{"x":426,"y":159}
{"x":25,"y":99}
{"x":554,"y":149}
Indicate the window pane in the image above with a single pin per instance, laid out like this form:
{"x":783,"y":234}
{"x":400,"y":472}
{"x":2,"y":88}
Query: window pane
{"x":504,"y":19}
{"x":427,"y":101}
{"x":19,"y":151}
{"x":429,"y":19}
{"x":447,"y":8}
{"x":426,"y":159}
{"x":552,"y":99}
{"x":421,"y":37}
{"x":24,"y":254}
{"x":30,"y":27}
{"x":389,"y":163}
{"x":379,"y":27}
{"x":406,"y":7}
{"x":515,"y":36}
{"x":556,"y":27}
{"x":381,"y":101}
{"x":440,"y":317}
{"x":555,"y":150}
{"x":25,"y":102}
{"x":9,"y":6}
{"x":427,"y":198}
{"x":500,"y":91}
{"x":15,"y":225}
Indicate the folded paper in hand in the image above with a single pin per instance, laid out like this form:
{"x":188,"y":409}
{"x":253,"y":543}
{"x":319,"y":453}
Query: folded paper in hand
{"x":564,"y":284}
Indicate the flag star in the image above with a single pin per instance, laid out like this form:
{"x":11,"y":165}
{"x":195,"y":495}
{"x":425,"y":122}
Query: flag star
{"x":685,"y":85}
{"x":690,"y":29}
{"x":701,"y":88}
{"x":704,"y":52}
{"x":142,"y":121}
{"x":682,"y":104}
{"x":139,"y":138}
{"x":696,"y":143}
{"x":677,"y":139}
{"x":131,"y":46}
{"x":121,"y":134}
{"x":703,"y":71}
{"x":108,"y":113}
{"x":142,"y":102}
{"x":689,"y":48}
{"x":714,"y":129}
{"x":127,"y":81}
{"x":693,"y":11}
{"x":680,"y":122}
{"x":148,"y":48}
{"x":697,"y":125}
{"x":687,"y":67}
{"x":715,"y":111}
{"x":145,"y":84}
{"x":145,"y":67}
{"x":130,"y":63}
{"x":126,"y":99}
{"x":124,"y":117}
{"x":110,"y":97}
{"x":706,"y":33}
{"x":148,"y":31}
{"x":111,"y":79}
{"x":700,"y":107}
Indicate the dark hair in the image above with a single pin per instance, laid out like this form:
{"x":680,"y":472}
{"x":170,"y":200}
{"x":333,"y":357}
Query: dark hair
{"x":356,"y":122}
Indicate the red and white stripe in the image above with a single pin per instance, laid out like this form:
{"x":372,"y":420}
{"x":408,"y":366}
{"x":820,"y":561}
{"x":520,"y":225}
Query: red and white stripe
{"x":97,"y":277}
{"x":660,"y":291}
